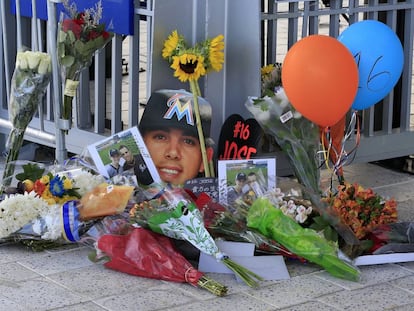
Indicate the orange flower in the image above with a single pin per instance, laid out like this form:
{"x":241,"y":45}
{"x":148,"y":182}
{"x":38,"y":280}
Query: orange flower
{"x":361,"y":209}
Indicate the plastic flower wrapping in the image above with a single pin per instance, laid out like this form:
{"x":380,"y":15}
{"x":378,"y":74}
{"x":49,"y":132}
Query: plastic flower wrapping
{"x":141,"y":252}
{"x":175,"y":214}
{"x":52,"y":206}
{"x":28,"y":86}
{"x":80,"y":35}
{"x":298,"y":138}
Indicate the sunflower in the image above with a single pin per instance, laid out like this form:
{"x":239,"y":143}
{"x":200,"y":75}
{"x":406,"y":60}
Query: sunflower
{"x":188,"y":66}
{"x":215,"y":53}
{"x":171,"y":45}
{"x":266,"y":70}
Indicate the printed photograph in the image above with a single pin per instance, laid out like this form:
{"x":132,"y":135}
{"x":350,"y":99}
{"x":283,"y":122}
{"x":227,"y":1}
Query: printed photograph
{"x":245,"y":179}
{"x":123,"y":153}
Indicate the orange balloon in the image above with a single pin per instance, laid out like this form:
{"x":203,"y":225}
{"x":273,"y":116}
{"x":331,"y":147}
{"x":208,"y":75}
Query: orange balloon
{"x":320,"y":78}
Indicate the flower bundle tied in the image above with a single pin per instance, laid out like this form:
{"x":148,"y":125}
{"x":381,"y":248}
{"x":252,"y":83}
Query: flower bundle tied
{"x":28,"y":86}
{"x":141,"y":252}
{"x":191,"y":63}
{"x":80,"y":35}
{"x":176,"y":215}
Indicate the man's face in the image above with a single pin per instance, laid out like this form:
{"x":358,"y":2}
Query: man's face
{"x":176,"y":155}
{"x":240,"y":183}
{"x":126,"y":154}
{"x":115,"y":158}
{"x":251,"y":179}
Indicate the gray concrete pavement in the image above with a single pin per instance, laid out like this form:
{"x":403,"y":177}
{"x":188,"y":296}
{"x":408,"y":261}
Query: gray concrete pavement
{"x":64,"y":278}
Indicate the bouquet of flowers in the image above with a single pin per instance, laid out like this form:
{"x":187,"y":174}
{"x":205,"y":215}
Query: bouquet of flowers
{"x":144,"y":253}
{"x":191,"y":63}
{"x":176,"y":215}
{"x":230,"y":223}
{"x":28,"y":86}
{"x":304,"y":242}
{"x":297,"y":136}
{"x":362,"y":212}
{"x":49,"y":207}
{"x":361,"y":209}
{"x":80,"y":36}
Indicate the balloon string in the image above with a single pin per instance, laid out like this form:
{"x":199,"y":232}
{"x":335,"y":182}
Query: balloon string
{"x":345,"y":158}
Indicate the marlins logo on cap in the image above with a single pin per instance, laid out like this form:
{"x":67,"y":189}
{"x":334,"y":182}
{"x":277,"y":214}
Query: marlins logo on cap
{"x":173,"y":109}
{"x":180,"y":109}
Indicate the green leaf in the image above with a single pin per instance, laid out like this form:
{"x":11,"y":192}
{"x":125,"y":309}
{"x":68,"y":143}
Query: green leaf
{"x":330,"y":234}
{"x":30,"y":171}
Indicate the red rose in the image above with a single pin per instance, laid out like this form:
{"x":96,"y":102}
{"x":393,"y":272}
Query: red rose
{"x":72,"y":25}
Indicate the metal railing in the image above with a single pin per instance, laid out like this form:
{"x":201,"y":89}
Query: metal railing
{"x":109,"y":97}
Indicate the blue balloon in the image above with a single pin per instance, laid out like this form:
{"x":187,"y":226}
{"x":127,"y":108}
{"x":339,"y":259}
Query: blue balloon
{"x":380,"y":59}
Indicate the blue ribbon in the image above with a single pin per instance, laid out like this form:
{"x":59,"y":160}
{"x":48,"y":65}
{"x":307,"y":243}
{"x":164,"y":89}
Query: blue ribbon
{"x":70,"y":221}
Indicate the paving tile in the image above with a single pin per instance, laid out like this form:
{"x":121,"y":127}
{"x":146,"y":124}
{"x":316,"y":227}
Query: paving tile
{"x":87,"y":306}
{"x":406,"y":210}
{"x":405,"y":283}
{"x":7,"y":304}
{"x":14,"y":272}
{"x":311,"y":306}
{"x":239,"y":302}
{"x":96,"y":281}
{"x":372,"y":298}
{"x":157,"y":297}
{"x":294,"y":291}
{"x":59,"y":262}
{"x":39,"y":294}
{"x":16,"y":252}
{"x":370,"y":275}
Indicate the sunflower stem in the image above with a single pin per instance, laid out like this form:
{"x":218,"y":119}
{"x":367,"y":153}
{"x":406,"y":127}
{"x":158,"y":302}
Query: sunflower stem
{"x":195,"y":90}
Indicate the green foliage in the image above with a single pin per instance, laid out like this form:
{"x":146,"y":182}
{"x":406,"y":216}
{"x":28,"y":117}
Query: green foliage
{"x":30,"y":171}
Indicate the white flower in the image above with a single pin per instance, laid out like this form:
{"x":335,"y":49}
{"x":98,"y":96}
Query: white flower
{"x":19,"y":210}
{"x":85,"y":181}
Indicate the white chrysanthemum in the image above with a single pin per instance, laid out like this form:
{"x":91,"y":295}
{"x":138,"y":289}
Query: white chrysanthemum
{"x":86,"y":182}
{"x":18,"y":210}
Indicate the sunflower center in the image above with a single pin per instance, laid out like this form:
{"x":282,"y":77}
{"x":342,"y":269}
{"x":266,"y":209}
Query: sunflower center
{"x":189,"y":67}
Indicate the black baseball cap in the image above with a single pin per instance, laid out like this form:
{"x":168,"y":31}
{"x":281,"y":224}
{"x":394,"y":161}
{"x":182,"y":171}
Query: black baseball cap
{"x":114,"y":152}
{"x":175,"y":109}
{"x":241,"y":176}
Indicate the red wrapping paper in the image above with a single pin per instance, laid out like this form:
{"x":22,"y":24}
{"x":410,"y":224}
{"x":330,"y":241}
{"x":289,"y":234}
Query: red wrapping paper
{"x":147,"y":254}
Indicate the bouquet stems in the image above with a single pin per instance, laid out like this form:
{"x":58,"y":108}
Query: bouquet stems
{"x":14,"y":143}
{"x":30,"y":79}
{"x":196,"y":90}
{"x":248,"y":276}
{"x":212,"y":286}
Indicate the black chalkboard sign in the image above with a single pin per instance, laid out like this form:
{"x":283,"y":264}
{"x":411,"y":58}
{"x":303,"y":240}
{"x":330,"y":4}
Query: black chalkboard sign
{"x":239,"y":138}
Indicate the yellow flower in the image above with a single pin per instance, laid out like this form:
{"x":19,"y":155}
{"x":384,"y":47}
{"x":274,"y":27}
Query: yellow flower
{"x":45,"y":179}
{"x":216,"y":54}
{"x":188,"y":66}
{"x":67,"y":184}
{"x":170,"y":45}
{"x":265,"y":70}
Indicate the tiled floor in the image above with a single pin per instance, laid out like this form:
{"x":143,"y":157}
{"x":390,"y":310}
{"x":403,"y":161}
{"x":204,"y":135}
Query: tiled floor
{"x":64,"y":278}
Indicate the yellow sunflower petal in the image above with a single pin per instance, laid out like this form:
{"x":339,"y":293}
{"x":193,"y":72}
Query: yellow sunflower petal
{"x":170,"y":44}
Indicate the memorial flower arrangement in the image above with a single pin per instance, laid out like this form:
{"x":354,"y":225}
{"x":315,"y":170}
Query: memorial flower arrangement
{"x":80,"y":35}
{"x":175,"y":214}
{"x":28,"y":86}
{"x":299,"y":139}
{"x":141,"y":252}
{"x":190,"y":63}
{"x":48,"y":209}
{"x":297,"y":136}
{"x":362,"y":209}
